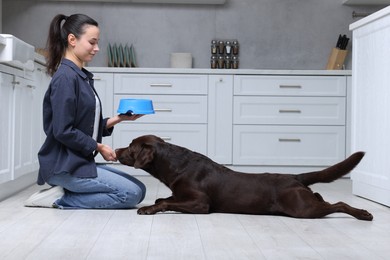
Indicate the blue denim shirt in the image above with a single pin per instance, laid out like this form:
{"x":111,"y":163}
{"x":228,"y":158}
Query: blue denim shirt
{"x":68,"y":120}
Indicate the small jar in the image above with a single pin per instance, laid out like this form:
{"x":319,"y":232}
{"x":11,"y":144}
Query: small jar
{"x":221,"y":62}
{"x":221,"y":47}
{"x":214,"y":47}
{"x":235,"y":62}
{"x":228,"y":47}
{"x":213,"y":62}
{"x":235,"y":47}
{"x":228,"y":62}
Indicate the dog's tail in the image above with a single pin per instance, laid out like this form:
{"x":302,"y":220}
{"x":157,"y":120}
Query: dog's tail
{"x":331,"y":173}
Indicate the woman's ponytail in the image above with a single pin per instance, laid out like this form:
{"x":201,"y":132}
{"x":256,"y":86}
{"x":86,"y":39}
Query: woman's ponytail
{"x":56,"y":44}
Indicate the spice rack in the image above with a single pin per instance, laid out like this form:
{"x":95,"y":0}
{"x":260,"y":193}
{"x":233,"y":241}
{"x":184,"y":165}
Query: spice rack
{"x":224,"y":54}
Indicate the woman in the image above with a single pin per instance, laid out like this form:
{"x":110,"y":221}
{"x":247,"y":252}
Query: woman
{"x":74,"y":127}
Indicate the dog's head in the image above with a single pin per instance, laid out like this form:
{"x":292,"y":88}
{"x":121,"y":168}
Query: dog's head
{"x":140,"y":151}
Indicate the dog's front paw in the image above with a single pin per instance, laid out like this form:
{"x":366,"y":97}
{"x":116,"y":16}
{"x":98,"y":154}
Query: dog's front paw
{"x":147,"y":210}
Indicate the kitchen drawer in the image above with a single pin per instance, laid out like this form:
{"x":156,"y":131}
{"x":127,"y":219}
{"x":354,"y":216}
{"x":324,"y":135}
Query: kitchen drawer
{"x":289,"y":110}
{"x":290,"y":85}
{"x":160,"y":84}
{"x":288,"y":145}
{"x":193,"y":137}
{"x":172,"y":108}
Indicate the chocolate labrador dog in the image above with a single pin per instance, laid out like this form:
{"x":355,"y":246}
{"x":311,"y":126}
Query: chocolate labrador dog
{"x":199,"y":185}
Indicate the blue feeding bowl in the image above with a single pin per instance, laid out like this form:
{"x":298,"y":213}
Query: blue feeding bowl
{"x":135,"y":106}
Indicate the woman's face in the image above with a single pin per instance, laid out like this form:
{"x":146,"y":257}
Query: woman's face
{"x":86,"y":46}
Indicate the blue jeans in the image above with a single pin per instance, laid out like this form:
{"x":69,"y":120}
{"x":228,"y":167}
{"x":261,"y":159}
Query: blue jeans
{"x":111,"y":189}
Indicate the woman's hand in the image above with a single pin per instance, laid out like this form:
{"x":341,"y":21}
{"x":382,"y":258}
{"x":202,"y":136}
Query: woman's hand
{"x":107,"y":153}
{"x":125,"y":117}
{"x":119,"y":118}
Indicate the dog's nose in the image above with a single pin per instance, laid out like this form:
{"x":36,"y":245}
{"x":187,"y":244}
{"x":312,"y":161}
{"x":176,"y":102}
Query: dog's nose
{"x":118,"y":152}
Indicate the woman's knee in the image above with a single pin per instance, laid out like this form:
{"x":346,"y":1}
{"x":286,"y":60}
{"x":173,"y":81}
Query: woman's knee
{"x":132,"y":196}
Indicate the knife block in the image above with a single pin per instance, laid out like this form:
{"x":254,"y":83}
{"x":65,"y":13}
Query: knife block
{"x":336,"y":59}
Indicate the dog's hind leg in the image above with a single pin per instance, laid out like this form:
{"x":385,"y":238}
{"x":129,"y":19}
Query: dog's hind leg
{"x":303,"y":203}
{"x":319,"y":210}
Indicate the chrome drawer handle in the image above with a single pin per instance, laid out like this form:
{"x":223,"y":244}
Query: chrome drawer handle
{"x":296,"y":111}
{"x":165,"y":85}
{"x":97,"y":78}
{"x":290,"y":86}
{"x":31,"y":86}
{"x":296,"y":140}
{"x":163,"y":110}
{"x":166,"y":138}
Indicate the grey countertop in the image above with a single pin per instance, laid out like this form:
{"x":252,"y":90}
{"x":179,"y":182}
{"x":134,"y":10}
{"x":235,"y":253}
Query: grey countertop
{"x":222,"y":71}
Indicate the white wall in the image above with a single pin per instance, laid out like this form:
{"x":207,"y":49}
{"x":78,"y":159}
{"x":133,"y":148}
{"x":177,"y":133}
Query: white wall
{"x":1,"y":15}
{"x":274,"y":34}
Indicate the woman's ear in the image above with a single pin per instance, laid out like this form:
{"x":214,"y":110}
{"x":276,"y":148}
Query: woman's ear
{"x":145,"y":156}
{"x":72,"y":39}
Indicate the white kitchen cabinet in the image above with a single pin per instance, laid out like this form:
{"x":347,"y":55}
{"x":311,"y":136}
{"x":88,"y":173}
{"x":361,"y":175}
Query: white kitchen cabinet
{"x":42,"y":81}
{"x":180,"y":104}
{"x":289,"y":120}
{"x":25,"y":97}
{"x":252,"y":121}
{"x":21,"y":138}
{"x":371,"y":106}
{"x":6,"y":133}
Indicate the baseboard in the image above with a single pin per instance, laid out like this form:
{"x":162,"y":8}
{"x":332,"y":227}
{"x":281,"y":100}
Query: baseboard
{"x":10,"y":188}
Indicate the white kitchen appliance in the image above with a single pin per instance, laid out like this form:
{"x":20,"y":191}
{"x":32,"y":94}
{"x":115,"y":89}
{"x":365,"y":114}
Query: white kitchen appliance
{"x":16,"y":53}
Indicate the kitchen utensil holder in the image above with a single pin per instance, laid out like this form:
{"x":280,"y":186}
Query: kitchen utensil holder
{"x":336,"y":59}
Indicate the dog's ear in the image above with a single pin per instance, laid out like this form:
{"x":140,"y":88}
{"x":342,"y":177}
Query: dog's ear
{"x":145,"y":156}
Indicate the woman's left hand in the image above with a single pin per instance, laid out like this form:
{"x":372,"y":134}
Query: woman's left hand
{"x":125,"y":117}
{"x":122,"y":117}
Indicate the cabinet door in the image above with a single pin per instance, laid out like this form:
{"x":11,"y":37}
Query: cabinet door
{"x":104,"y":85}
{"x":6,"y":133}
{"x":371,"y":110}
{"x":290,"y":85}
{"x":165,"y":84}
{"x":220,"y":118}
{"x":42,"y":83}
{"x":182,"y":109}
{"x":26,"y":95}
{"x":289,"y":110}
{"x":288,"y":145}
{"x":191,"y":136}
